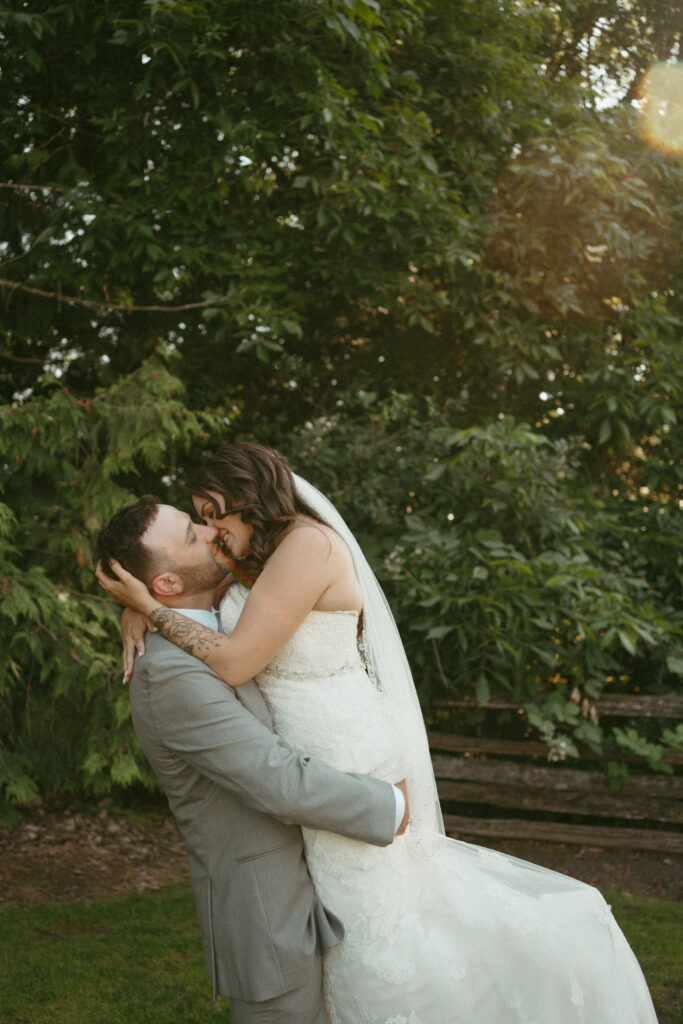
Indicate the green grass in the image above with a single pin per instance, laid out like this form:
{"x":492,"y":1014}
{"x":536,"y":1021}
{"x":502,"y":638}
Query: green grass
{"x":654,"y":929}
{"x":140,"y":960}
{"x":134,"y":960}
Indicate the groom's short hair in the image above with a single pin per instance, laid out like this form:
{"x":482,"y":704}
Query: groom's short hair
{"x":121,"y":539}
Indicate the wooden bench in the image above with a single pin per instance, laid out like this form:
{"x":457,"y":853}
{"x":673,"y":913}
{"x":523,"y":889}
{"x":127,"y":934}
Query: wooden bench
{"x":511,"y":785}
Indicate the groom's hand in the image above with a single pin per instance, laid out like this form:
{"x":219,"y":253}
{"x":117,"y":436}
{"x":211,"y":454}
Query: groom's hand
{"x":406,"y":814}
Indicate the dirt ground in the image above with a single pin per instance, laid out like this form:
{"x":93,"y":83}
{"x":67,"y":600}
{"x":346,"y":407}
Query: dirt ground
{"x":77,"y":856}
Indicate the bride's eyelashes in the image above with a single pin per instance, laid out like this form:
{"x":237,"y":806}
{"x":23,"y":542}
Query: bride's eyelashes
{"x":211,"y":515}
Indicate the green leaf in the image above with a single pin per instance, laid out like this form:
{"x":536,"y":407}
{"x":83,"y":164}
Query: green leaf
{"x":439,"y":632}
{"x":482,"y":689}
{"x":349,"y":26}
{"x":605,"y":432}
{"x":293,"y":327}
{"x":626,"y":641}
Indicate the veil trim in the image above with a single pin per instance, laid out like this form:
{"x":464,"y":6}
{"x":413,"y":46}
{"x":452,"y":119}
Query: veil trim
{"x":388,"y":668}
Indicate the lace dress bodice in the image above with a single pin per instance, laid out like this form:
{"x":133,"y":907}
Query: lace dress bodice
{"x":321,"y":699}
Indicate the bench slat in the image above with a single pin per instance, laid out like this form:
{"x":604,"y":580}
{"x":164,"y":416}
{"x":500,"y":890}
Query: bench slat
{"x":589,"y":804}
{"x":616,"y":705}
{"x":555,"y":832}
{"x":441,"y":741}
{"x":558,"y":777}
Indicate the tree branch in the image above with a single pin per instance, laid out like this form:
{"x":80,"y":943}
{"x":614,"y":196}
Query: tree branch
{"x":20,"y":359}
{"x":39,"y":188}
{"x":111,"y":307}
{"x":439,"y":666}
{"x":21,"y":255}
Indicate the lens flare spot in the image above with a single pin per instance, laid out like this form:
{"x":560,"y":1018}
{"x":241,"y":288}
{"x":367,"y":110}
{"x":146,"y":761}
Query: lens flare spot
{"x":661,"y":107}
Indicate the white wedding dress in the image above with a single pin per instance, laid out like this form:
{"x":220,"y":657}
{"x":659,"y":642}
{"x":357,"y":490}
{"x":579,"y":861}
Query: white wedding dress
{"x":438,"y":931}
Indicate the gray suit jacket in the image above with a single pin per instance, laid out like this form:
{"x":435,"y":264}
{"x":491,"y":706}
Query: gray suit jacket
{"x":240,"y":794}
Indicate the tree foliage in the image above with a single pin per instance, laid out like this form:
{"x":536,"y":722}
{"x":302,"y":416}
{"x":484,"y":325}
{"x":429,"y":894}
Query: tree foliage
{"x":424,"y":247}
{"x":64,"y":719}
{"x":505,"y":573}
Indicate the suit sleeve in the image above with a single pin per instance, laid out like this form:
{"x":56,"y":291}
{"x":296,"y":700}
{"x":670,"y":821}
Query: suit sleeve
{"x":201,"y":720}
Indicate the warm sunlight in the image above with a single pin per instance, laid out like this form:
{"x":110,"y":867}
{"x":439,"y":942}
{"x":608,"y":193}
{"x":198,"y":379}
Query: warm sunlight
{"x":661,"y":96}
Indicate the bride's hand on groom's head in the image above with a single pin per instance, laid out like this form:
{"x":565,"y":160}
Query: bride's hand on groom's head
{"x":126,"y":589}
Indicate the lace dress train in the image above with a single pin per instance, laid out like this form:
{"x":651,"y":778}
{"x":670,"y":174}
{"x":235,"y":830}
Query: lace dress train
{"x":437,"y":931}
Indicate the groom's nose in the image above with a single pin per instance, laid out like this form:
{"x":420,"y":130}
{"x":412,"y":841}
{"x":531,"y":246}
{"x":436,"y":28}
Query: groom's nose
{"x":208,"y":532}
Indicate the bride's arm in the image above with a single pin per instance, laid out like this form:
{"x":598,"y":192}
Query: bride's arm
{"x":134,"y":626}
{"x":133,"y":629}
{"x":294,"y":578}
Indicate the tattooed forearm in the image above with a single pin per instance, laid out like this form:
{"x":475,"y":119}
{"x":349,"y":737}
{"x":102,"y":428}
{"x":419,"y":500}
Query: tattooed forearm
{"x":191,"y":637}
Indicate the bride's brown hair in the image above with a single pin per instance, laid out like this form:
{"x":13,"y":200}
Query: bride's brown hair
{"x":260,"y":481}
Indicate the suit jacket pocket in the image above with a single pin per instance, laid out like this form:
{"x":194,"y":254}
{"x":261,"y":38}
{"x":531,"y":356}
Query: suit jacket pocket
{"x":265,"y":853}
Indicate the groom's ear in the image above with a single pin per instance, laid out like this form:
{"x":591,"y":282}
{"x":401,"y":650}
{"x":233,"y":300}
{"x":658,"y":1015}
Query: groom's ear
{"x":167,"y":584}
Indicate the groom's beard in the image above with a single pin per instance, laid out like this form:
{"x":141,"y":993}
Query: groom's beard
{"x":199,"y":578}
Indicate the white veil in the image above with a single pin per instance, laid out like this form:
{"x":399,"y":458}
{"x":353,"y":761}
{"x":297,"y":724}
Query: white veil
{"x":388,"y":668}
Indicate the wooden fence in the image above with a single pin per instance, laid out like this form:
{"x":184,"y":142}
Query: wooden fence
{"x":508,"y":783}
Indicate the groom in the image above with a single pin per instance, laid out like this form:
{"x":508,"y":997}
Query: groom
{"x":238,"y":792}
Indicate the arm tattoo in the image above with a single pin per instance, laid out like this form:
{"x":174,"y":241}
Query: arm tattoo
{"x":190,"y":636}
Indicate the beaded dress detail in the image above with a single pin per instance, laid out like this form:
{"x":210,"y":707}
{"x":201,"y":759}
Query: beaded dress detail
{"x":451,"y":933}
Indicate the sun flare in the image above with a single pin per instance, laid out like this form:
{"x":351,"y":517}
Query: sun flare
{"x":661,"y":115}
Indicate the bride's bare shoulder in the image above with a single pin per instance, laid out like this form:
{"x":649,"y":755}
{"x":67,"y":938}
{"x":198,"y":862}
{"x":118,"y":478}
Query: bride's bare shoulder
{"x":317,"y":538}
{"x":317,"y":549}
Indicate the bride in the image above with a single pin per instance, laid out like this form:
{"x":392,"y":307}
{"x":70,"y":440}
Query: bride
{"x":437,"y":930}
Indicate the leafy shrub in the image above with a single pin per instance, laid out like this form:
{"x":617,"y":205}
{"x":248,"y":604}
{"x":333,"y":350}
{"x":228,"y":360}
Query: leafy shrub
{"x":505,"y":572}
{"x":64,"y":720}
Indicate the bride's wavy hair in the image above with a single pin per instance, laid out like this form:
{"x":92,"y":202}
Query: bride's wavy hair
{"x":260,"y":481}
